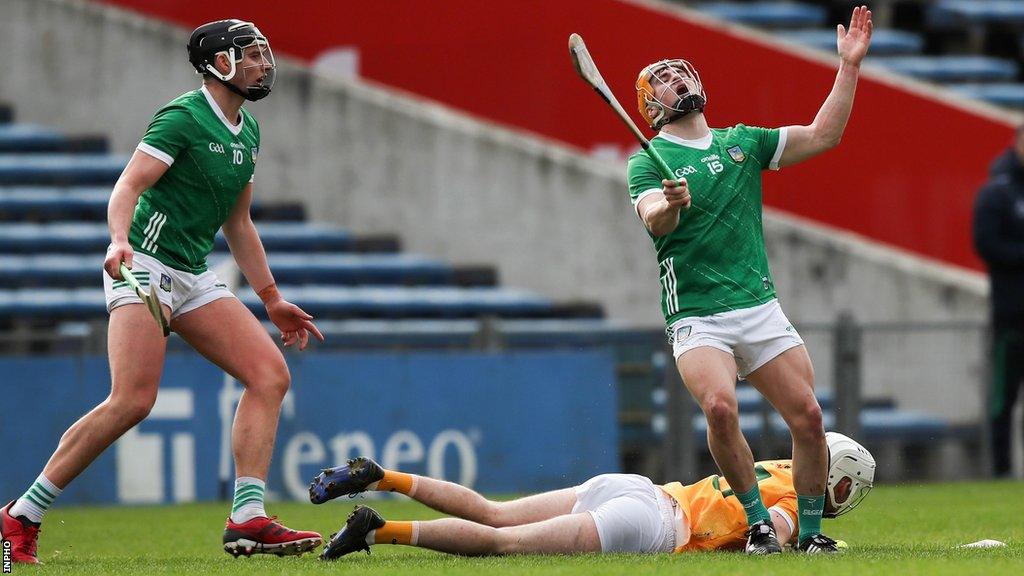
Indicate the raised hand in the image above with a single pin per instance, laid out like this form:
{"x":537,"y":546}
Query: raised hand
{"x":853,"y":43}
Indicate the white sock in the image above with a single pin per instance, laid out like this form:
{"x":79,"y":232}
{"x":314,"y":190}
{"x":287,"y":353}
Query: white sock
{"x":248,"y":503}
{"x":36,"y":500}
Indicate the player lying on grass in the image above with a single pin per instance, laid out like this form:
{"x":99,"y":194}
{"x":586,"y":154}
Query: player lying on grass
{"x":608,"y":513}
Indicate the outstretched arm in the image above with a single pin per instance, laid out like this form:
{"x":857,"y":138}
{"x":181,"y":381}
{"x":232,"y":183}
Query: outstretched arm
{"x":825,"y":132}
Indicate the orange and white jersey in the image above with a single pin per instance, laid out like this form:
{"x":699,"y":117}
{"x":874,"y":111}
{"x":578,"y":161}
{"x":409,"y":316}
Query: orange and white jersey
{"x":716,"y":517}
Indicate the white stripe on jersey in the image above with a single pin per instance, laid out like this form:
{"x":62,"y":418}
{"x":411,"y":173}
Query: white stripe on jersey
{"x":674,"y":286}
{"x":149,"y":225}
{"x":668,"y":283}
{"x":152,"y":232}
{"x":156,"y":234}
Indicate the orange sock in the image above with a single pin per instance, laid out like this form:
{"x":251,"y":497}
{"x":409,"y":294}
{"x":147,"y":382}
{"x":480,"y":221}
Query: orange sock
{"x":397,"y":482}
{"x":406,"y":533}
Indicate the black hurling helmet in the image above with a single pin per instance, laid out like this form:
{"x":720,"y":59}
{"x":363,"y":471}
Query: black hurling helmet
{"x":233,"y":37}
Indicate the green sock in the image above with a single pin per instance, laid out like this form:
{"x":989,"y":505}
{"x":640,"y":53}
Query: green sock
{"x":753,"y":507}
{"x":809,"y":510}
{"x":248,"y":503}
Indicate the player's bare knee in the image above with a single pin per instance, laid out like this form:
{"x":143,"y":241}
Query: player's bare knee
{"x":272,"y":380}
{"x":132,"y":409}
{"x":496,"y":514}
{"x":808,"y":424}
{"x":721,"y":412}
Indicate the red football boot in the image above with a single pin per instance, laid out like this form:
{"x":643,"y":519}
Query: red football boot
{"x":22,"y":534}
{"x":267,"y":536}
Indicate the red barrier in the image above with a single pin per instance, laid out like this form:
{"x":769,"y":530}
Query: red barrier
{"x":906,"y":172}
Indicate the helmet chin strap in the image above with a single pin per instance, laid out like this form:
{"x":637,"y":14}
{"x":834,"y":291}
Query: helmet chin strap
{"x":252,"y":93}
{"x":235,"y":89}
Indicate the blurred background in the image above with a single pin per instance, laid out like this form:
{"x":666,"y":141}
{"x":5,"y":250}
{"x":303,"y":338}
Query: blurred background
{"x":449,"y":201}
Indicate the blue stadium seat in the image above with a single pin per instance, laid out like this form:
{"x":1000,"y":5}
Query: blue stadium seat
{"x":54,"y":303}
{"x":320,"y":301}
{"x":411,"y":302}
{"x":883,"y":42}
{"x":944,"y":13}
{"x":352,"y":334}
{"x":50,"y":203}
{"x":951,"y":68}
{"x":768,"y":14}
{"x":876,"y":424}
{"x":85,"y":237}
{"x":1011,"y":95}
{"x":71,"y":270}
{"x":60,"y":169}
{"x":29,"y":138}
{"x":513,"y":334}
{"x":53,"y":202}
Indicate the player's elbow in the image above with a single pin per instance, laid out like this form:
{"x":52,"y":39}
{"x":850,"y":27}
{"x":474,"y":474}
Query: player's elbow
{"x":826,"y":138}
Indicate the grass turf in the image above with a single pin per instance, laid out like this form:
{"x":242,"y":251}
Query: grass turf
{"x":898,"y":530}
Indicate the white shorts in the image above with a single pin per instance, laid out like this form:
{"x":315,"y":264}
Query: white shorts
{"x":752,"y":335}
{"x":180,"y":291}
{"x":631,"y":513}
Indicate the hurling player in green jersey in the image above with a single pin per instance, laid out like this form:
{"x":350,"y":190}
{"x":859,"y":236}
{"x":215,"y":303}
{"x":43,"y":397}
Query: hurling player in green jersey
{"x":190,"y":176}
{"x":718,"y":296}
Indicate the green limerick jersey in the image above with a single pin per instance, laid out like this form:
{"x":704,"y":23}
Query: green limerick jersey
{"x":715,"y":259}
{"x":210,"y":163}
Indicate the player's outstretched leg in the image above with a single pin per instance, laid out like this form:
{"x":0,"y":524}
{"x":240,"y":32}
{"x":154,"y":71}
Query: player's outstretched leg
{"x":264,"y":535}
{"x":214,"y":330}
{"x":362,"y":474}
{"x":564,"y":534}
{"x":22,"y":533}
{"x":357,"y":475}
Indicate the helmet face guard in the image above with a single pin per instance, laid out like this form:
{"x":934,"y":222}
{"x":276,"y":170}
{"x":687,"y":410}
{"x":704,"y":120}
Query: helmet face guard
{"x":851,"y":473}
{"x":672,"y":88}
{"x":247,"y":51}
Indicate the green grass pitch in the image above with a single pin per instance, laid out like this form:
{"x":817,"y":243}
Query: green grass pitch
{"x":899,"y":530}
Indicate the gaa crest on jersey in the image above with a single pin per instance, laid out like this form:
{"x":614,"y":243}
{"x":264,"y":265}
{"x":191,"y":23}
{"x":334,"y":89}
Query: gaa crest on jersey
{"x":165,"y":282}
{"x":254,"y":151}
{"x":737,"y":155}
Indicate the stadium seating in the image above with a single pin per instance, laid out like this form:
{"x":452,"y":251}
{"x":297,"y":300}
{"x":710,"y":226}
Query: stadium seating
{"x":883,"y":42}
{"x":93,"y":237}
{"x":957,"y":12}
{"x":958,"y":43}
{"x":945,"y":69}
{"x":24,"y":138}
{"x":53,"y":196}
{"x":1009,"y":95}
{"x":54,"y":204}
{"x":767,"y":14}
{"x":65,"y":169}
